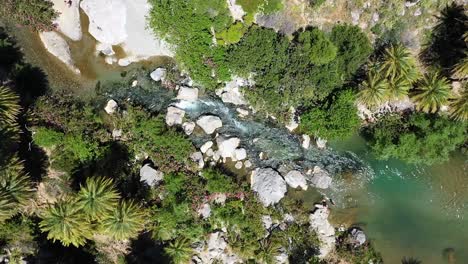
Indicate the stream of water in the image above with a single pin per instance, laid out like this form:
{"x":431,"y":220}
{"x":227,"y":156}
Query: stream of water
{"x":405,"y":210}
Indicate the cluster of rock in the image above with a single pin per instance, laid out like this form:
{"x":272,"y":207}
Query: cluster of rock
{"x":397,"y":106}
{"x":215,"y":250}
{"x":319,"y":223}
{"x":111,"y":23}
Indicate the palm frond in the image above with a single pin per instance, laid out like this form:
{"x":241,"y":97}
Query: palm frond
{"x":373,"y":90}
{"x":9,"y":106}
{"x":179,"y":250}
{"x":399,"y":63}
{"x":98,"y":197}
{"x":125,"y":222}
{"x":397,"y":88}
{"x":459,"y":106}
{"x":432,"y":93}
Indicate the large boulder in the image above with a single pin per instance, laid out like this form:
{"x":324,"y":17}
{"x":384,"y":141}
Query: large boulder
{"x":318,"y":221}
{"x":188,"y":94}
{"x":57,"y":46}
{"x":320,"y":178}
{"x":68,"y":20}
{"x":174,"y":116}
{"x":227,"y":147}
{"x":231,"y":93}
{"x":209,"y":123}
{"x":150,"y":176}
{"x":296,"y":179}
{"x":269,"y":185}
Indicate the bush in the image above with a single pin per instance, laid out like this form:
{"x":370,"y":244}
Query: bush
{"x":217,"y":182}
{"x":47,"y":138}
{"x":36,"y":14}
{"x":418,"y":138}
{"x":315,"y":43}
{"x":334,"y":120}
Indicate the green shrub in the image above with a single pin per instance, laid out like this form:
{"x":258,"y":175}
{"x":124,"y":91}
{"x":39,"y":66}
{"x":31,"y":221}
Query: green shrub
{"x":36,"y":14}
{"x":46,"y":137}
{"x":334,"y":120}
{"x":315,"y":43}
{"x":217,"y":182}
{"x":231,"y":35}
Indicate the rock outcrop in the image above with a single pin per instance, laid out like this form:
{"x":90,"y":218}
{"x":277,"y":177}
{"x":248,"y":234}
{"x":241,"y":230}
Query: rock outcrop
{"x":325,"y":231}
{"x":57,"y":46}
{"x":209,"y":123}
{"x":269,"y":185}
{"x":68,"y":21}
{"x":231,"y":93}
{"x":216,"y":250}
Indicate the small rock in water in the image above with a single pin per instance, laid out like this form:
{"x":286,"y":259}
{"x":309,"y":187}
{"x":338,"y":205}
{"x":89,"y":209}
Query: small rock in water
{"x":320,"y":179}
{"x":293,"y":124}
{"x":188,"y":127}
{"x":111,"y":107}
{"x":240,"y":154}
{"x":358,"y":237}
{"x":296,"y":179}
{"x":174,"y":116}
{"x":187,"y":94}
{"x":238,"y":165}
{"x":305,"y":141}
{"x":105,"y":49}
{"x":247,"y":164}
{"x":204,"y":148}
{"x":158,"y":75}
{"x":321,"y":143}
{"x":150,"y":176}
{"x":134,"y":83}
{"x":242,"y":112}
{"x":209,"y":123}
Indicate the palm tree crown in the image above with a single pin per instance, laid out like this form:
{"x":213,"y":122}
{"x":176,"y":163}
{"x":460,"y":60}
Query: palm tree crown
{"x":66,"y":222}
{"x":373,"y":90}
{"x":9,"y":106}
{"x":397,"y":88}
{"x":125,"y":222}
{"x":398,"y":63}
{"x":98,"y":197}
{"x":432,"y":92}
{"x":459,"y":106}
{"x":179,"y":250}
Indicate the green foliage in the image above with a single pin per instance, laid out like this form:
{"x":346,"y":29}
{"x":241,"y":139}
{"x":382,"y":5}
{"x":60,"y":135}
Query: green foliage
{"x":373,"y":91}
{"x":317,"y":45}
{"x":17,"y":234}
{"x":431,"y":93}
{"x":125,"y":221}
{"x":334,"y":120}
{"x":459,"y":106}
{"x":417,"y":138}
{"x":15,"y":188}
{"x":264,"y":6}
{"x":36,"y":14}
{"x":217,"y":182}
{"x":80,"y":149}
{"x":398,"y":63}
{"x":179,"y":250}
{"x":231,"y":35}
{"x":46,"y":137}
{"x":66,"y":222}
{"x":98,"y":197}
{"x":9,"y":106}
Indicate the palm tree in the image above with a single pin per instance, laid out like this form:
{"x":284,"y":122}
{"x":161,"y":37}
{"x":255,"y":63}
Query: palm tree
{"x":9,"y":106}
{"x":179,"y":250}
{"x":398,"y":63}
{"x":15,"y":188}
{"x":432,"y":92}
{"x":373,"y":90}
{"x":98,"y":198}
{"x":406,"y":260}
{"x":269,"y":249}
{"x":397,"y":88}
{"x":460,"y":71}
{"x":125,"y":221}
{"x":459,"y":106}
{"x":66,"y":222}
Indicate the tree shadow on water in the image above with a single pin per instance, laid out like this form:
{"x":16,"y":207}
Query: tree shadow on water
{"x":446,"y":45}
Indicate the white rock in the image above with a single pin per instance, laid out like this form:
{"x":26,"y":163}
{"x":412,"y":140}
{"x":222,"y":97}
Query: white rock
{"x":240,"y":154}
{"x":209,"y":153}
{"x":247,"y":163}
{"x":325,"y":231}
{"x":321,"y":143}
{"x":204,"y":211}
{"x":68,"y":20}
{"x":107,"y":19}
{"x":293,"y":124}
{"x":305,"y":141}
{"x":227,"y":147}
{"x":296,"y":179}
{"x":188,"y":127}
{"x":230,"y":93}
{"x":242,"y":112}
{"x":269,"y":185}
{"x":238,"y":165}
{"x":320,"y":179}
{"x":358,"y":236}
{"x":105,"y":49}
{"x":174,"y":116}
{"x":111,"y":107}
{"x":209,"y":123}
{"x":57,"y":46}
{"x":158,"y":75}
{"x":188,"y":94}
{"x":134,"y":83}
{"x":198,"y":158}
{"x":237,"y":12}
{"x":355,"y":15}
{"x":204,"y":148}
{"x":124,"y":62}
{"x":150,"y":176}
{"x":110,"y":60}
{"x":116,"y":133}
{"x":267,"y":221}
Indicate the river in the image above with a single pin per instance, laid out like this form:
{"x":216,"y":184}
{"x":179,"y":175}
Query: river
{"x":405,"y":210}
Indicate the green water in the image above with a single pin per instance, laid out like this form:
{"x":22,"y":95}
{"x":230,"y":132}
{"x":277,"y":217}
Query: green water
{"x":414,"y":211}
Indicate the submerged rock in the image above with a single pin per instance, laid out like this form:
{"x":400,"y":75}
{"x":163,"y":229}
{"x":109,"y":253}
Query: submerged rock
{"x":111,"y":107}
{"x":150,"y":176}
{"x":174,"y":116}
{"x":209,"y":123}
{"x":269,"y":185}
{"x":318,"y":221}
{"x":320,"y":178}
{"x":57,"y":46}
{"x":296,"y":179}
